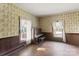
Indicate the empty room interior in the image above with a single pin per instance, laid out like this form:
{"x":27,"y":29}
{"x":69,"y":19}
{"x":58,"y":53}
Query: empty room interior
{"x":39,"y":29}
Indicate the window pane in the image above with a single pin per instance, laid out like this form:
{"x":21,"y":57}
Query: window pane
{"x":58,"y":29}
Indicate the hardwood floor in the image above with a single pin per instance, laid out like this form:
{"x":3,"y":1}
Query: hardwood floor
{"x":49,"y":48}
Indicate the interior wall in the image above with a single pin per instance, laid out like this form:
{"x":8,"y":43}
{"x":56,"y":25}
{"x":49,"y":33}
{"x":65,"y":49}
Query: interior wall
{"x":71,"y":26}
{"x":71,"y":22}
{"x":9,"y":19}
{"x":9,"y":27}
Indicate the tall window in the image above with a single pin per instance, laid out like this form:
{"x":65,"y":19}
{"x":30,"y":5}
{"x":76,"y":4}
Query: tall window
{"x":29,"y":31}
{"x":25,"y":30}
{"x":58,"y":29}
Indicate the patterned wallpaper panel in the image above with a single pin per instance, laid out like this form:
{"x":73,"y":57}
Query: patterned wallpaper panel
{"x":9,"y":19}
{"x":71,"y":22}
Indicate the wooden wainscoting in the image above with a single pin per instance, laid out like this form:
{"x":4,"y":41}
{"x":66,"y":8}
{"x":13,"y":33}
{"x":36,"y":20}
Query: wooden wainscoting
{"x":48,"y":35}
{"x":8,"y":44}
{"x":72,"y":38}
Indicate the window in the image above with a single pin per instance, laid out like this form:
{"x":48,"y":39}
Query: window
{"x":58,"y":29}
{"x":29,"y":31}
{"x":25,"y":30}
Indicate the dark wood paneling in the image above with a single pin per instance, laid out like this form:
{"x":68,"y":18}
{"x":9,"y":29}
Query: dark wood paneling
{"x":48,"y":35}
{"x":72,"y":38}
{"x":8,"y":43}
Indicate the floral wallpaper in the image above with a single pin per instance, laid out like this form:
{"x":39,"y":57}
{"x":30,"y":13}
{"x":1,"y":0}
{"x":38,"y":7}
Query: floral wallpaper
{"x":71,"y":22}
{"x":9,"y":19}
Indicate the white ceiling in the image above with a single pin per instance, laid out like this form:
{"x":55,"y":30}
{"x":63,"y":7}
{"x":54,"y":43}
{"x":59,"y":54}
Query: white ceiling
{"x":43,"y":9}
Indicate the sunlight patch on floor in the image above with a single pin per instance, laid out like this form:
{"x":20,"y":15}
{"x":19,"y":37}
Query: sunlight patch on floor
{"x":41,"y":49}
